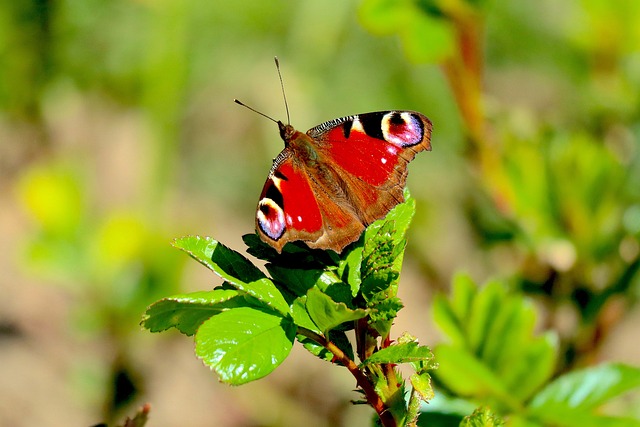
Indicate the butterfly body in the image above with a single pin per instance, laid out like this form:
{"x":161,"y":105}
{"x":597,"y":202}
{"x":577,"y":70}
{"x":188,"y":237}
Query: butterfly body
{"x":329,"y":183}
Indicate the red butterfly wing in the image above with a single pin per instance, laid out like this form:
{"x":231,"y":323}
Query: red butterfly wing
{"x":293,"y":207}
{"x":328,"y":184}
{"x":371,"y":152}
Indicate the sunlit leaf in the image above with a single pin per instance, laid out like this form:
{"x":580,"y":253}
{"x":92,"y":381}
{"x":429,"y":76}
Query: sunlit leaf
{"x":244,"y":344}
{"x":400,"y":353}
{"x":581,"y":392}
{"x":234,"y":268}
{"x":328,"y":314}
{"x":187,"y":312}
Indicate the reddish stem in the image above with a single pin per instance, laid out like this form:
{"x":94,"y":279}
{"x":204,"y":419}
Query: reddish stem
{"x":386,"y":418}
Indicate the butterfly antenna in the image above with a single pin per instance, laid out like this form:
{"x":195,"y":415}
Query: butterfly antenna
{"x":286,"y":105}
{"x":254,"y":110}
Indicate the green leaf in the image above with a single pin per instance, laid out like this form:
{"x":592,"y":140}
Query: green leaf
{"x":579,"y":393}
{"x":400,"y":353}
{"x":328,"y":314}
{"x":258,"y":248}
{"x":187,"y":312}
{"x":234,"y":268}
{"x":467,"y":376}
{"x":452,"y":315}
{"x":379,"y":269}
{"x":297,"y":280}
{"x":495,"y":329}
{"x":421,"y":383}
{"x":426,"y":34}
{"x":482,"y":417}
{"x":244,"y":344}
{"x":349,"y":268}
{"x":301,"y":316}
{"x":401,"y":216}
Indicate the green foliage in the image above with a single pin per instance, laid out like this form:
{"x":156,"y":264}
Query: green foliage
{"x":245,"y":328}
{"x":244,"y":344}
{"x":328,"y":314}
{"x":482,"y":417}
{"x":494,"y":358}
{"x":426,"y":36}
{"x":574,"y":399}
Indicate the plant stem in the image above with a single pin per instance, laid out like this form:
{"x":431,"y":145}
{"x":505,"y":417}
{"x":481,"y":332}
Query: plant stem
{"x":386,"y":418}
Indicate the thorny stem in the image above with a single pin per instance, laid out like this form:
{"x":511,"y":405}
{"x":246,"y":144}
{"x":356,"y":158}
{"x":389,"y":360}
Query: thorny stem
{"x":386,"y":418}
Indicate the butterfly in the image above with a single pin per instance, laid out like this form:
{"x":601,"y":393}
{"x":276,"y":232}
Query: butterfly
{"x":331,"y":182}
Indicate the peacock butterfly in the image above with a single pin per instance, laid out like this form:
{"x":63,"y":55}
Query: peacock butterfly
{"x":329,"y":183}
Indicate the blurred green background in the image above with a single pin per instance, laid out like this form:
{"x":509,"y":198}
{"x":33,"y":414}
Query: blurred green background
{"x":118,"y":133}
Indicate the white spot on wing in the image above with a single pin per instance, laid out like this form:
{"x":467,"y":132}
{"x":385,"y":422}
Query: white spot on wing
{"x":357,"y":125}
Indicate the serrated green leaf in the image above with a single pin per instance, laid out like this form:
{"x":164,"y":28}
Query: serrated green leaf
{"x":234,"y":268}
{"x":187,"y":312}
{"x":244,"y":344}
{"x":328,"y":314}
{"x":383,"y":312}
{"x":400,"y":217}
{"x":385,"y":309}
{"x":421,"y":383}
{"x":400,"y":353}
{"x":581,"y":392}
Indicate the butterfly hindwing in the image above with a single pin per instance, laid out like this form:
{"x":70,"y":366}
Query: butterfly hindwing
{"x":288,"y":204}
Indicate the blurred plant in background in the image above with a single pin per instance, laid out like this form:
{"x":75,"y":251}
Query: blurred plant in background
{"x":117,"y":133}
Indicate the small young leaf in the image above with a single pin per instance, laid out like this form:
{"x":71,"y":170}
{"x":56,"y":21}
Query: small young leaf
{"x":234,"y":268}
{"x":482,"y":417}
{"x":244,"y":344}
{"x":328,"y":314}
{"x":187,"y":312}
{"x":400,"y":353}
{"x":421,"y":384}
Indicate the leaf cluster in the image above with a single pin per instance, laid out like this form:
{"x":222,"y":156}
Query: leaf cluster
{"x":246,"y":327}
{"x":495,"y":358}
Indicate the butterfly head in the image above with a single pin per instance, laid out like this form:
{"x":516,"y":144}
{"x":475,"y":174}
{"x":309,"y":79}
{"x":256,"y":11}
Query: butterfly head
{"x":286,"y":132}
